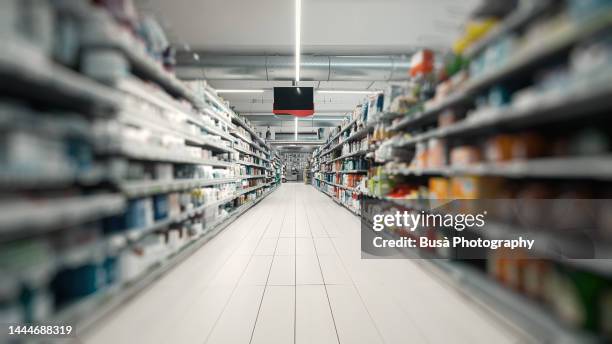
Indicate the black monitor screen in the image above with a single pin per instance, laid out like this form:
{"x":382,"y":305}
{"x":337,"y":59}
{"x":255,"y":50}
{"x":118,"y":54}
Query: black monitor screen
{"x":293,"y":98}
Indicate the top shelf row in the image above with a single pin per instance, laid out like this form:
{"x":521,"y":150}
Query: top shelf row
{"x":521,"y":63}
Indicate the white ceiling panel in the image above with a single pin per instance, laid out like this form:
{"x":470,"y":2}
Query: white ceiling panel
{"x":328,"y":26}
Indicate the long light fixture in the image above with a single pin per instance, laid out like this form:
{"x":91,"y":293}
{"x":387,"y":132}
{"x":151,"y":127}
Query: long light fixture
{"x":348,"y":91}
{"x":298,"y":29}
{"x":296,"y":127}
{"x":240,"y":91}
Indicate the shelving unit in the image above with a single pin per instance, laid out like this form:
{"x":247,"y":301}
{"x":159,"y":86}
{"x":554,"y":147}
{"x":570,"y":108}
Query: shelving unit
{"x":354,"y":130}
{"x":141,"y":142}
{"x":41,"y":80}
{"x":108,"y":300}
{"x":405,"y":162}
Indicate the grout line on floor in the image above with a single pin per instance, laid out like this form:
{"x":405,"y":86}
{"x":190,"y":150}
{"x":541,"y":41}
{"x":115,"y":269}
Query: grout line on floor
{"x":294,"y":264}
{"x":349,"y":275}
{"x":263,"y":295}
{"x":323,"y":278}
{"x":243,"y":271}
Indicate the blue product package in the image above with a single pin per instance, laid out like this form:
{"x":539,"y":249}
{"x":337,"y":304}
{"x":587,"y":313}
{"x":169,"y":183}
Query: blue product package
{"x":73,"y":283}
{"x":160,"y":207}
{"x":115,"y":223}
{"x":111,"y":270}
{"x":79,"y":153}
{"x":499,"y":96}
{"x":380,"y":102}
{"x":135,"y":214}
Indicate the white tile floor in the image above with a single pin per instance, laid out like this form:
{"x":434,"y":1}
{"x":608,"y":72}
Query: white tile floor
{"x":289,"y":271}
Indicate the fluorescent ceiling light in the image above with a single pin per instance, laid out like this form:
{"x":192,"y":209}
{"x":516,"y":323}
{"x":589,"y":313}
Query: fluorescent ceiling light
{"x":348,"y":92}
{"x":296,"y":126}
{"x":240,"y":91}
{"x":298,"y":29}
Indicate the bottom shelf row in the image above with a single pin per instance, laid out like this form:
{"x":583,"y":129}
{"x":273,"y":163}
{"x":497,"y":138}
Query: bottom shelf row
{"x":542,"y":300}
{"x":81,"y":275}
{"x":348,"y":198}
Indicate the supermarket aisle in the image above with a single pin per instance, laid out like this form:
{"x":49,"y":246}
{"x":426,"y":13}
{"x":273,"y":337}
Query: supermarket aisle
{"x":290,"y":271}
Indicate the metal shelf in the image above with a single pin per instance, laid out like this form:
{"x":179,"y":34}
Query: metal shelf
{"x":354,"y":211}
{"x":558,"y":168}
{"x":361,"y":133}
{"x":522,"y":16}
{"x":579,"y":100}
{"x":342,"y":130}
{"x":522,"y":61}
{"x":138,"y":233}
{"x":244,"y":151}
{"x":350,"y":155}
{"x":218,"y":146}
{"x":25,"y":72}
{"x":352,"y":171}
{"x":253,"y":176}
{"x":146,"y":152}
{"x":27,"y":217}
{"x":237,"y":119}
{"x":556,"y":42}
{"x":150,"y":187}
{"x":531,"y":318}
{"x":245,"y":191}
{"x":109,"y":35}
{"x":430,"y":115}
{"x":246,"y":163}
{"x":86,"y":312}
{"x":10,"y":180}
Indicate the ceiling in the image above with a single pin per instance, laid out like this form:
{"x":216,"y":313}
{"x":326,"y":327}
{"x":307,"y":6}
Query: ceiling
{"x":329,"y":27}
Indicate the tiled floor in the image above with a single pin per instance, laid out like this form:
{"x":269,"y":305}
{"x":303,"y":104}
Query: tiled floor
{"x":289,"y":271}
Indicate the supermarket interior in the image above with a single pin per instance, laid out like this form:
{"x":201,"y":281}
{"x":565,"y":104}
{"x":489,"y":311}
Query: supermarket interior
{"x":306,"y":171}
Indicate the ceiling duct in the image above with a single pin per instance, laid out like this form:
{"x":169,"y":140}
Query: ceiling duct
{"x":313,"y":68}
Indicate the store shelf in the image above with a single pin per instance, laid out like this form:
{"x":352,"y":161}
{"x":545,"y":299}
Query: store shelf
{"x":251,"y":176}
{"x":147,"y":152}
{"x":215,"y":145}
{"x":254,"y":188}
{"x":245,"y":139}
{"x":352,"y":171}
{"x":246,"y":163}
{"x":144,"y":120}
{"x":26,"y":73}
{"x":138,"y":233}
{"x":335,"y":136}
{"x":354,"y":211}
{"x":10,"y":180}
{"x":358,"y":135}
{"x":150,"y":187}
{"x":522,"y":16}
{"x":430,"y":114}
{"x":85,"y":313}
{"x":557,"y":42}
{"x":31,"y":216}
{"x":350,"y":155}
{"x":532,"y":318}
{"x":338,"y":185}
{"x":109,"y":35}
{"x":577,"y":101}
{"x":238,"y":120}
{"x":247,"y":152}
{"x":558,"y":168}
{"x":162,"y":100}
